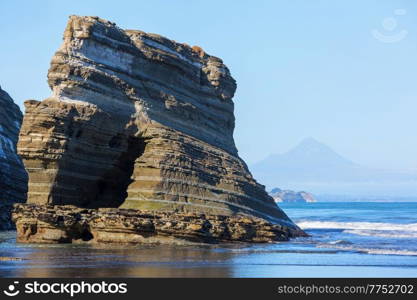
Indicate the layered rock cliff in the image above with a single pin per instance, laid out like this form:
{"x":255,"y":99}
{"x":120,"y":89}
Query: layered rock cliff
{"x":138,"y":121}
{"x":13,"y":177}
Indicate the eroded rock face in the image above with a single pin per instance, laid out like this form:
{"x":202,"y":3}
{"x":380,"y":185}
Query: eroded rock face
{"x":13,"y":177}
{"x":69,"y":224}
{"x":138,"y":121}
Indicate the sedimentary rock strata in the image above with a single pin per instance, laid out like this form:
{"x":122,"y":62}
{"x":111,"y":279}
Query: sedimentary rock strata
{"x":13,"y":177}
{"x":138,"y":121}
{"x":69,"y":224}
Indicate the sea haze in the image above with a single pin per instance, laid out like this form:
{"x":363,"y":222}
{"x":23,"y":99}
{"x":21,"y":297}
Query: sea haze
{"x":315,"y":167}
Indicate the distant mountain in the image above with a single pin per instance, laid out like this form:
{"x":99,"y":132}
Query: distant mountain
{"x":315,"y":167}
{"x":308,"y":154}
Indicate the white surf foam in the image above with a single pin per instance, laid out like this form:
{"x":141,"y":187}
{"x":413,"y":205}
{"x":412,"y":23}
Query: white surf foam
{"x":384,"y":234}
{"x":371,"y":250}
{"x":359,"y":226}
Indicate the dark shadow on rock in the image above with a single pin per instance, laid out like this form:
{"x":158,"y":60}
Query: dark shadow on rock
{"x":98,"y":157}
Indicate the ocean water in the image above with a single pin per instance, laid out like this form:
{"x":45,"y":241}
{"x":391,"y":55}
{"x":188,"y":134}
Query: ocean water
{"x":348,"y":239}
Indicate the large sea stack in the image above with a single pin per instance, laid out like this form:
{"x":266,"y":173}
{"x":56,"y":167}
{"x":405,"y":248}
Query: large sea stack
{"x":13,"y":177}
{"x":139,"y":132}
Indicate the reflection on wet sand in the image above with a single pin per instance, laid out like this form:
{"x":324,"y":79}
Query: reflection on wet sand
{"x":298,"y":258}
{"x":149,"y":261}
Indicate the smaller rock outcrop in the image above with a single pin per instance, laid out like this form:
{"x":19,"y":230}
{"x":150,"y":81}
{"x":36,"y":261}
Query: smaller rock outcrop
{"x":69,"y":224}
{"x":13,"y":177}
{"x":291,"y":196}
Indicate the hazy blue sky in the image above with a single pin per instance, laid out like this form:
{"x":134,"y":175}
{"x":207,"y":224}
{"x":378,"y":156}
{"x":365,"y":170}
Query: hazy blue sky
{"x":304,"y":68}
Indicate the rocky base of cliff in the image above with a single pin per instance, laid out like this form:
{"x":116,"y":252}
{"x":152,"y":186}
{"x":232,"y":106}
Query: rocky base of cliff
{"x":70,"y":224}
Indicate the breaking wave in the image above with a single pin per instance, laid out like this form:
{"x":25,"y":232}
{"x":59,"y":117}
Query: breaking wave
{"x":384,"y":233}
{"x":371,"y":250}
{"x":359,"y":226}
